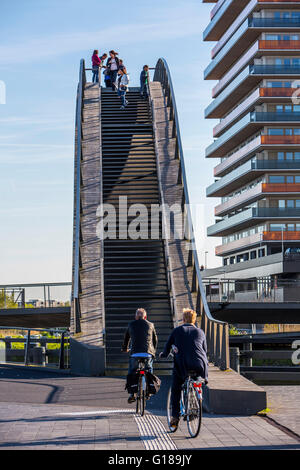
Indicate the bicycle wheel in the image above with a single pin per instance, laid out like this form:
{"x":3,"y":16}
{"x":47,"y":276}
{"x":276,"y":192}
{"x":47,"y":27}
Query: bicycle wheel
{"x":141,"y":398}
{"x":138,"y":396}
{"x":193,"y":411}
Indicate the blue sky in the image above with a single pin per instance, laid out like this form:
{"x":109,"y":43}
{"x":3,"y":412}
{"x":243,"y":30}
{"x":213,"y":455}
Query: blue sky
{"x":41,"y":44}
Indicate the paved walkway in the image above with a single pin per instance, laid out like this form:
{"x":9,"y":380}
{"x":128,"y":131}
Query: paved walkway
{"x":284,"y":403}
{"x":52,"y":411}
{"x":60,"y":427}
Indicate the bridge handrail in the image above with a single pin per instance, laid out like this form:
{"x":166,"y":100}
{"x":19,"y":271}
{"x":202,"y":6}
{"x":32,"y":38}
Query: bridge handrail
{"x":217,"y":332}
{"x":77,"y":200}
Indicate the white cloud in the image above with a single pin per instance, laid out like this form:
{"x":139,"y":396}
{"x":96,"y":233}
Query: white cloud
{"x":183,"y":25}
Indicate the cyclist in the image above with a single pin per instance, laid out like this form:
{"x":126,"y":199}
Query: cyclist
{"x":190,"y":354}
{"x":143,"y":339}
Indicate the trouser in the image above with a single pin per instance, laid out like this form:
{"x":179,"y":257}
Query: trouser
{"x":144,"y":90}
{"x":113,"y":78}
{"x":95,"y":74}
{"x":122,"y":95}
{"x":134,"y":364}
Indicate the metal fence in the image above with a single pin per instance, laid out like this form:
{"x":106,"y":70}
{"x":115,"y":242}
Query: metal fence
{"x":252,"y":290}
{"x":46,"y":295}
{"x":35,"y":347}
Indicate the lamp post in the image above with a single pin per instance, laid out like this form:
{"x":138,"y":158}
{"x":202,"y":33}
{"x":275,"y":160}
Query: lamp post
{"x":206,"y":253}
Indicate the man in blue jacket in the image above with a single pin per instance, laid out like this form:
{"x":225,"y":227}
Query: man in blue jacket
{"x":190,"y":349}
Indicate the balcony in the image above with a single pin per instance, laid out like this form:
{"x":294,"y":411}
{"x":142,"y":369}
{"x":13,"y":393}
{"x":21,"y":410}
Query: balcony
{"x":237,"y":113}
{"x":235,"y":89}
{"x":280,"y":188}
{"x":275,"y":140}
{"x":229,"y":53}
{"x":222,"y":15}
{"x":248,"y":172}
{"x":238,"y":46}
{"x":279,"y":45}
{"x":281,"y":117}
{"x":277,"y":236}
{"x":277,"y":92}
{"x":239,"y":201}
{"x":256,"y":239}
{"x":238,"y":157}
{"x":245,"y":127}
{"x":231,"y":247}
{"x":232,"y":224}
{"x":250,"y":217}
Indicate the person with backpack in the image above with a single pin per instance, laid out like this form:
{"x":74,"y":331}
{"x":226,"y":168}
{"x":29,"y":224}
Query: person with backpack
{"x":123,"y":86}
{"x":142,"y":335}
{"x":190,"y":353}
{"x":107,"y":80}
{"x":113,"y":65}
{"x":145,"y":80}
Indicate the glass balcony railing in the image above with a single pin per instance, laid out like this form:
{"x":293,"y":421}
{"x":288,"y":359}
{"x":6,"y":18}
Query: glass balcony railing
{"x":248,"y":216}
{"x":275,"y":165}
{"x":222,"y":227}
{"x":276,"y":212}
{"x":274,"y":22}
{"x":275,"y":69}
{"x":275,"y":117}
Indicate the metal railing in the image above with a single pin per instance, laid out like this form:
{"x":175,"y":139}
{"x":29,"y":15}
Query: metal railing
{"x":44,"y":295}
{"x":260,"y":290}
{"x":78,"y":209}
{"x":217,"y":332}
{"x":77,"y":262}
{"x":21,"y":347}
{"x":167,"y":256}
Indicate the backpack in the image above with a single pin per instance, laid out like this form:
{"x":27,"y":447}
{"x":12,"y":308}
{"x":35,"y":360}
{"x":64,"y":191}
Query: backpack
{"x":153,"y":383}
{"x":132,"y":383}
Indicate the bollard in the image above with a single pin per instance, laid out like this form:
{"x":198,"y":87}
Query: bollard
{"x":248,"y":360}
{"x":39,"y":356}
{"x":235,"y":359}
{"x":7,"y":347}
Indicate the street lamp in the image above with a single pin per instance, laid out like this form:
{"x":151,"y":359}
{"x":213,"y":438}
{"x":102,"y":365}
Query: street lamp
{"x":206,"y":253}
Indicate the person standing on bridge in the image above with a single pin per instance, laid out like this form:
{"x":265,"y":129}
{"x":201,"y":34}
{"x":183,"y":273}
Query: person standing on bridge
{"x":113,"y":65}
{"x":123,"y":86}
{"x":143,"y":339}
{"x":145,"y":80}
{"x":190,"y":354}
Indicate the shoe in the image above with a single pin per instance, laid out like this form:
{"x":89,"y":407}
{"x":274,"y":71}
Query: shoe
{"x":131,"y":399}
{"x":126,"y":102}
{"x":122,"y":107}
{"x":174,"y":424}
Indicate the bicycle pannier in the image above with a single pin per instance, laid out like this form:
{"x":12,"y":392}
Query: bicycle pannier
{"x":132,"y":383}
{"x":153,"y":383}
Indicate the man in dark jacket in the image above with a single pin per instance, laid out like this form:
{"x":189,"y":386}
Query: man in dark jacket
{"x":190,"y":349}
{"x":145,"y":80}
{"x":143,"y":339}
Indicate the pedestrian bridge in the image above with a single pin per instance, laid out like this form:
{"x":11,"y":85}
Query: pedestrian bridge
{"x":133,"y":239}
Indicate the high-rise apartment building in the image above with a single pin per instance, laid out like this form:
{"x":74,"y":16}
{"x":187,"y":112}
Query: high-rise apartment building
{"x":256,"y":62}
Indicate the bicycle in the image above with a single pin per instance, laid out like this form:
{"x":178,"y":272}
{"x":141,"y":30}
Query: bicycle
{"x":190,"y":404}
{"x":141,"y":396}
